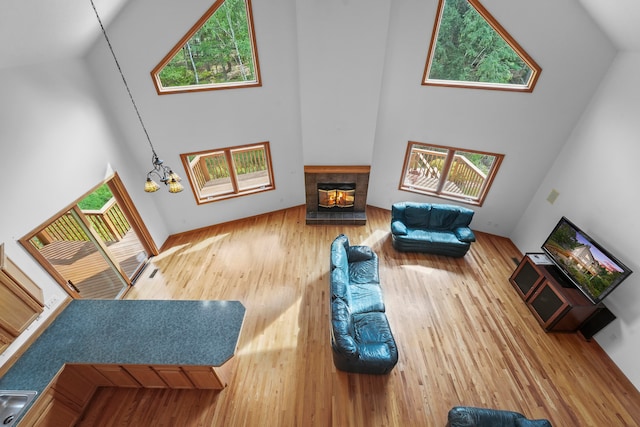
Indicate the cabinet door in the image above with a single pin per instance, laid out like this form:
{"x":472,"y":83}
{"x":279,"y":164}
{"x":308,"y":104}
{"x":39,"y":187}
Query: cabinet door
{"x":174,"y":376}
{"x":16,"y":313}
{"x":204,"y":377}
{"x":73,"y":387}
{"x":548,"y":305}
{"x":118,"y":376}
{"x":50,"y":412}
{"x":146,"y":376}
{"x":526,"y":278}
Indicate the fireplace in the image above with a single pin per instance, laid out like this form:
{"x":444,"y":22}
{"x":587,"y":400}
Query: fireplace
{"x":340,"y":196}
{"x":336,"y":194}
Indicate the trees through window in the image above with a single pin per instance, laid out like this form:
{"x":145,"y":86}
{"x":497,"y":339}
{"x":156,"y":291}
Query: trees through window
{"x":449,"y":172}
{"x":469,"y":48}
{"x":218,"y":52}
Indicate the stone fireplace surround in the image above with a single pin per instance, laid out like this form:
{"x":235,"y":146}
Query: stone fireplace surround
{"x":314,"y":175}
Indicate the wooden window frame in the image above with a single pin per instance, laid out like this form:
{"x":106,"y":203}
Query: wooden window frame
{"x":440,"y":190}
{"x":236,"y":191}
{"x":257,"y":82}
{"x":535,"y":68}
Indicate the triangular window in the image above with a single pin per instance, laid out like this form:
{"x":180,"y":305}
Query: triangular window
{"x":469,"y":48}
{"x":219,"y":52}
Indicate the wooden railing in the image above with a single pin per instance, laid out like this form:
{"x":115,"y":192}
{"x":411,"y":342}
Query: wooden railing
{"x":109,"y":223}
{"x":213,"y":166}
{"x":464,"y":174}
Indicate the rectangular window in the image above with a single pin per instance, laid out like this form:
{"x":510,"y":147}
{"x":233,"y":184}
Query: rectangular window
{"x":448,"y":172}
{"x":229,"y":172}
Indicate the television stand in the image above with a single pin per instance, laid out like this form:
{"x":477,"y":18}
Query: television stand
{"x":555,"y":303}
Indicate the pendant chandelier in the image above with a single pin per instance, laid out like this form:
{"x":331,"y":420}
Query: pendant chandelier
{"x":161,"y":172}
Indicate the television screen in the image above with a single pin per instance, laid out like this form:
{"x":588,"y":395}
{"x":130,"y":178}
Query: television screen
{"x":590,"y":267}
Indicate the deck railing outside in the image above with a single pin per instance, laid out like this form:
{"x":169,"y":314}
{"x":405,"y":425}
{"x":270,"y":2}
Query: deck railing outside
{"x":109,"y":222}
{"x":214,"y":166}
{"x":466,"y":176}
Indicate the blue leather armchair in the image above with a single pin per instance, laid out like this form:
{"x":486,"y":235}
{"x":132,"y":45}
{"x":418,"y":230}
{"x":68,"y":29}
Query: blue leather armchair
{"x":431,"y":228}
{"x":467,"y":416}
{"x":361,"y":338}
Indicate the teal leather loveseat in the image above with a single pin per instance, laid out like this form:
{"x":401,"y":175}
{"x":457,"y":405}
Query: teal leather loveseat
{"x":431,"y":228}
{"x":361,"y":338}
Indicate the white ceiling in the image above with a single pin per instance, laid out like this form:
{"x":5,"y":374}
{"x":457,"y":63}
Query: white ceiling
{"x":36,"y":31}
{"x":618,"y":19}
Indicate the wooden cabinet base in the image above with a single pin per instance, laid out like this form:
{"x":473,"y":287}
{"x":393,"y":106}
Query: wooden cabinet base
{"x":64,"y":400}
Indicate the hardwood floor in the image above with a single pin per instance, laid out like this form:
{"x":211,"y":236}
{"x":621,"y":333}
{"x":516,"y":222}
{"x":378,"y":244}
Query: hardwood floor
{"x":463,"y":334}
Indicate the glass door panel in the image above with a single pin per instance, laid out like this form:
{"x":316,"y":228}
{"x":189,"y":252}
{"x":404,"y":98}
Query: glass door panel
{"x":111,"y":227}
{"x":70,"y":248}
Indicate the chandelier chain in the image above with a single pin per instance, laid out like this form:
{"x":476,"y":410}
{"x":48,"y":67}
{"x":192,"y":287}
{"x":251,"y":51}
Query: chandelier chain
{"x":133,"y":102}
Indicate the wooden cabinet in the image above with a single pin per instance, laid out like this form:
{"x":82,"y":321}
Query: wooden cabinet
{"x":21,"y":300}
{"x":117,"y":375}
{"x":64,"y":399}
{"x":556,"y":304}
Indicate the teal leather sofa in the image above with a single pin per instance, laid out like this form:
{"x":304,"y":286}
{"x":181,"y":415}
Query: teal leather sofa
{"x":432,"y":228}
{"x":467,"y":416}
{"x":361,"y":338}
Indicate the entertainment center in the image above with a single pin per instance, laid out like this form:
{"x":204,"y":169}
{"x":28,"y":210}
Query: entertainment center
{"x":555,"y":303}
{"x":564,"y":286}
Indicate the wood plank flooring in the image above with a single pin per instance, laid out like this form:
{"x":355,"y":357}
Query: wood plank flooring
{"x":464,"y":337}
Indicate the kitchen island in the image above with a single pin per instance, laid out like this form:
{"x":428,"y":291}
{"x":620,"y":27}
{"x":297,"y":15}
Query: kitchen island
{"x":129,"y":343}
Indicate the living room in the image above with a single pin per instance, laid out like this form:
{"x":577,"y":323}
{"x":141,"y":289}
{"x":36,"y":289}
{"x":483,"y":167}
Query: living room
{"x":341,"y":86}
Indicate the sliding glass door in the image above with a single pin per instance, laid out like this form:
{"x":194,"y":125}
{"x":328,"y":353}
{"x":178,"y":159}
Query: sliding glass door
{"x":93,"y":249}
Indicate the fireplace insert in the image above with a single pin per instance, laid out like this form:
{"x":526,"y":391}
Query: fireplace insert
{"x":336,"y":196}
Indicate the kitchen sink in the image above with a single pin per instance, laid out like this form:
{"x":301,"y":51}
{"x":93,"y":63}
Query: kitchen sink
{"x":12,"y":404}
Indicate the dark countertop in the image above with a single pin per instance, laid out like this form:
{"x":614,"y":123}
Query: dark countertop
{"x":149,"y":332}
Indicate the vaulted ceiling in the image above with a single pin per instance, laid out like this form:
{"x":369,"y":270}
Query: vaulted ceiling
{"x":37,"y":31}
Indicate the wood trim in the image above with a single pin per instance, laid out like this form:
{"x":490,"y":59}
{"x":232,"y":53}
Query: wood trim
{"x":337,"y":169}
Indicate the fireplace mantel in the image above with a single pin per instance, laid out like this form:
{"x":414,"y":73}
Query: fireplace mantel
{"x":313,"y":175}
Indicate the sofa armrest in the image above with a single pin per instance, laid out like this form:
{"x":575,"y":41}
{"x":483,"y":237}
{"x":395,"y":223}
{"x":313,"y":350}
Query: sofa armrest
{"x":359,"y":253}
{"x":464,"y":234}
{"x":398,"y":228}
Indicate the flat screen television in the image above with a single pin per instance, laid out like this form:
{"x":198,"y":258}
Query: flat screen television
{"x":585,"y":263}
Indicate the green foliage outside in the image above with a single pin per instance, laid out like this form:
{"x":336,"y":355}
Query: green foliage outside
{"x":97,"y":199}
{"x":468,"y":49}
{"x":220,"y":52}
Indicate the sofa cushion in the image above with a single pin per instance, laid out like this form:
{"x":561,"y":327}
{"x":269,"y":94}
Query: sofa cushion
{"x":359,"y":253}
{"x":342,"y":328}
{"x":339,"y":256}
{"x":465,"y":215}
{"x":372,"y":328}
{"x":523,"y":422}
{"x":364,"y":271}
{"x":398,"y":228}
{"x":339,"y":282}
{"x":464,"y":234}
{"x":365,"y":298}
{"x":417,"y":214}
{"x":442,"y":217}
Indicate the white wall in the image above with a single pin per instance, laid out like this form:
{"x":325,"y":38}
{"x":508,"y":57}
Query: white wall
{"x":57,"y":143}
{"x":341,"y":48}
{"x":189,"y":122}
{"x":596,"y":176}
{"x":528,"y":128}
